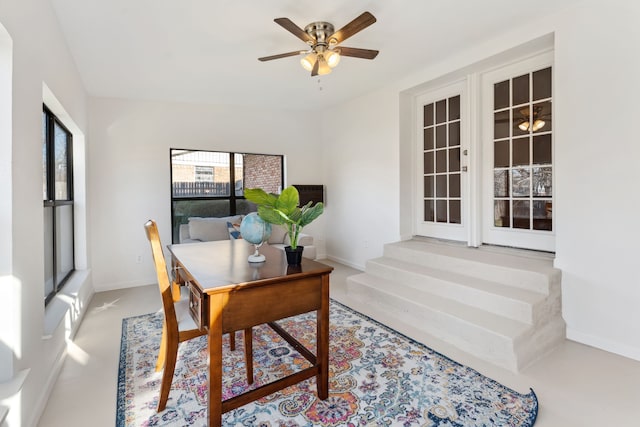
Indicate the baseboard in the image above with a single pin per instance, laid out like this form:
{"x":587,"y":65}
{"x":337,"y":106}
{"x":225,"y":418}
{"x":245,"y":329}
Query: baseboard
{"x":41,"y":404}
{"x":345,"y":262}
{"x":125,"y":285}
{"x":603,"y":344}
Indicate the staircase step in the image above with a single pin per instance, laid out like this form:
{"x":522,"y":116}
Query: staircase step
{"x":517,"y":269}
{"x":508,"y":301}
{"x":473,"y":330}
{"x":498,"y":305}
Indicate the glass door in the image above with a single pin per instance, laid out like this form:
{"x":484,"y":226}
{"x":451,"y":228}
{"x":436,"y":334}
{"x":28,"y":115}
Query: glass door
{"x":518,"y":161}
{"x":441,"y":187}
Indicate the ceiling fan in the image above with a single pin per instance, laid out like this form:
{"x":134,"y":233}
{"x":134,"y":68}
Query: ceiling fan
{"x":324,"y":53}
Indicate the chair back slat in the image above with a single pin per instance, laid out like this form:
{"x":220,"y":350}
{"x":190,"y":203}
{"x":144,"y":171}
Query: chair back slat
{"x":163,"y":277}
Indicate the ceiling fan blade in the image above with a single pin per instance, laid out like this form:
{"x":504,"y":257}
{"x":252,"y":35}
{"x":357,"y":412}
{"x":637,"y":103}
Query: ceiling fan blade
{"x":316,"y":67}
{"x":353,"y":27}
{"x":357,"y":53}
{"x":288,"y":25}
{"x":281,"y":55}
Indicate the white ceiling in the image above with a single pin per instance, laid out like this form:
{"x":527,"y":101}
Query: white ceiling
{"x":206,"y":51}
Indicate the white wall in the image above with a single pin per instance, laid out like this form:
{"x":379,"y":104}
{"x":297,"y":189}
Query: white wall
{"x":129,"y":170}
{"x":40,"y":57}
{"x":597,"y":200}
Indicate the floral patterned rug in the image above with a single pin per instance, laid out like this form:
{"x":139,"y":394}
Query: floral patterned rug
{"x":378,"y":377}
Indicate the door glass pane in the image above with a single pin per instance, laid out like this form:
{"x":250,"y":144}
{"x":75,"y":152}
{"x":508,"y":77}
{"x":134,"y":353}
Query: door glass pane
{"x":429,"y":214}
{"x":441,"y":186}
{"x":454,"y":185}
{"x":542,"y":149}
{"x":454,"y":134}
{"x":454,"y":160}
{"x":428,"y":115}
{"x":521,"y":214}
{"x":520,"y":90}
{"x":454,"y":211}
{"x":428,"y":186}
{"x":428,"y":162}
{"x":501,"y":215}
{"x":523,"y":169}
{"x":441,"y":136}
{"x":441,"y":211}
{"x":454,"y":108}
{"x":501,"y":95}
{"x":428,"y":139}
{"x":441,"y":161}
{"x":542,"y":84}
{"x":521,"y":151}
{"x":441,"y":111}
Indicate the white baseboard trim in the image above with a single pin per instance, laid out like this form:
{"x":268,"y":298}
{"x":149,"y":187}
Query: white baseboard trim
{"x":604,"y":344}
{"x":345,"y":262}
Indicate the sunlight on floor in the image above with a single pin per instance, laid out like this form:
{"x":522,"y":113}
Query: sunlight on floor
{"x":77,"y":354}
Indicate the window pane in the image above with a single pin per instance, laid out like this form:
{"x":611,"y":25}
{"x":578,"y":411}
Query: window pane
{"x":49,"y":284}
{"x":454,"y":185}
{"x":501,"y":215}
{"x":521,"y":214}
{"x":520,"y":182}
{"x":185,"y":209}
{"x":441,"y":211}
{"x":542,"y":184}
{"x":441,"y":111}
{"x":542,"y":215}
{"x":428,"y":162}
{"x":521,"y":90}
{"x":542,"y":149}
{"x":501,"y":95}
{"x":521,"y":151}
{"x":64,"y":242}
{"x":428,"y":210}
{"x":262,"y":171}
{"x":441,"y":161}
{"x":200,"y":174}
{"x":501,"y":154}
{"x":45,"y":166}
{"x":501,"y":183}
{"x":501,"y":125}
{"x":428,"y":139}
{"x":428,"y":186}
{"x":428,"y":115}
{"x":542,"y":84}
{"x":441,"y":185}
{"x":454,"y":212}
{"x":454,"y":160}
{"x":454,"y":134}
{"x":441,"y":136}
{"x":61,"y":145}
{"x":454,"y":107}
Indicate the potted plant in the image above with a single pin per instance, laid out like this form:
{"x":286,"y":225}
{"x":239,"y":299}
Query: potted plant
{"x":284,"y":209}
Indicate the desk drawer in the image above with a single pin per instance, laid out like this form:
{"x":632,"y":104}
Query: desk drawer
{"x":197,"y":305}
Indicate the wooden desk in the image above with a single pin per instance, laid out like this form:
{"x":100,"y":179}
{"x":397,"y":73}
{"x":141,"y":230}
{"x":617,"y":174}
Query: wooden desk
{"x":230,"y":294}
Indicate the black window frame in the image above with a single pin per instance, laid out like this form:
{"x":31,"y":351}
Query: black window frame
{"x":50,"y":121}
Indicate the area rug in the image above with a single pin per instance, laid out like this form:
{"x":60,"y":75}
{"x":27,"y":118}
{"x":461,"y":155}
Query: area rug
{"x":378,"y":377}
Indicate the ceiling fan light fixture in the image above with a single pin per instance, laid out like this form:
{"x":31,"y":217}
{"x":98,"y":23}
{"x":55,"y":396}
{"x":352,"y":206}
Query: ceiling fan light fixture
{"x":324,"y":67}
{"x":538,"y":124}
{"x":524,"y":126}
{"x":308,"y":61}
{"x":332,"y":57}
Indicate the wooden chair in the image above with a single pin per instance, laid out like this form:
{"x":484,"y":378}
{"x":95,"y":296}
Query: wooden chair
{"x":178,"y":326}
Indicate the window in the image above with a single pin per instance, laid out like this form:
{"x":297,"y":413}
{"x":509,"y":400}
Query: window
{"x":204,"y":184}
{"x":57,"y":194}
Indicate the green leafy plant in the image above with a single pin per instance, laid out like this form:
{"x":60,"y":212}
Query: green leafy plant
{"x":284,"y":209}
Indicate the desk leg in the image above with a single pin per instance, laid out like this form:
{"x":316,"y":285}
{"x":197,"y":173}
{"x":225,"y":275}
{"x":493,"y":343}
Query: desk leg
{"x":215,"y":359}
{"x":322,"y":379}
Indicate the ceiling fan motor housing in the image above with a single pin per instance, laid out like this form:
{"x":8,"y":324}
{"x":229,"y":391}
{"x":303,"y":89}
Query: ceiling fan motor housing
{"x":320,"y":31}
